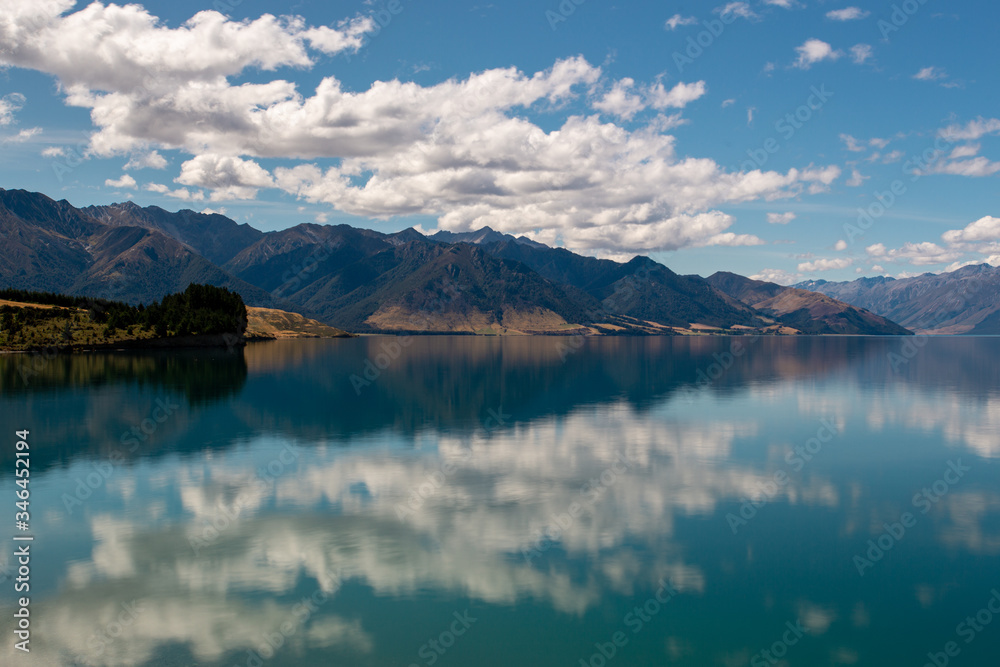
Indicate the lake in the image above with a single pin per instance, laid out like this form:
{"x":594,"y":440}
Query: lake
{"x":521,"y":501}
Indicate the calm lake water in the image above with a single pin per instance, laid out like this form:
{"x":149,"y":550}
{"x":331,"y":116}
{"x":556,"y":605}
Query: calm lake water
{"x":538,"y":501}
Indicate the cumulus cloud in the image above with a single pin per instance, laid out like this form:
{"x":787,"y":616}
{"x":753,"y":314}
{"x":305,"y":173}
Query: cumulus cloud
{"x":985,"y":229}
{"x":918,"y":254}
{"x":183,"y":193}
{"x":150,"y":160}
{"x":841,"y":245}
{"x":780,"y":218}
{"x":461,"y":150}
{"x":229,"y":178}
{"x":814,"y":51}
{"x":847,"y":14}
{"x":825,"y":265}
{"x":778,"y":276}
{"x":786,"y":4}
{"x":677,"y":97}
{"x":125,"y":182}
{"x":733,"y":240}
{"x":621,"y":101}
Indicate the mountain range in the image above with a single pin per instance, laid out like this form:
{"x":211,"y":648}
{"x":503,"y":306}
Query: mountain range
{"x":966,"y":301}
{"x":365,"y":281}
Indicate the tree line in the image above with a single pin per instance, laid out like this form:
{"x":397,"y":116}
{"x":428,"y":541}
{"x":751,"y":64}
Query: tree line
{"x":198,"y":310}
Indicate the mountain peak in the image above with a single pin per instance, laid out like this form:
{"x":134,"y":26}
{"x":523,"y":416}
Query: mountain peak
{"x":482,"y":236}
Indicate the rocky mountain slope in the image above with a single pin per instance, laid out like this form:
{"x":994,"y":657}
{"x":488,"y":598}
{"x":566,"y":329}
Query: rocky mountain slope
{"x":966,"y":301}
{"x":809,"y":312}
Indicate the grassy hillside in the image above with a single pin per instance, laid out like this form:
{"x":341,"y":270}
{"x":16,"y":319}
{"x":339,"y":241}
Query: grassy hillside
{"x":268,"y":323}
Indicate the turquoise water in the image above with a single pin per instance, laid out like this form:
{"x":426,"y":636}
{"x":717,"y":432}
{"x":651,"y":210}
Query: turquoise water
{"x":538,"y":501}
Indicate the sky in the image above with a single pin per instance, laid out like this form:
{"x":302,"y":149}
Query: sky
{"x":786,"y":140}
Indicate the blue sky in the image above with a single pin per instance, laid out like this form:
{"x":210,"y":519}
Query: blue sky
{"x":741,"y":136}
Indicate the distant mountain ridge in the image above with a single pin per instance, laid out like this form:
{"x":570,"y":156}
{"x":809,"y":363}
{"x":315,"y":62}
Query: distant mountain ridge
{"x":965,"y":301}
{"x":367,"y":281}
{"x":807,"y":311}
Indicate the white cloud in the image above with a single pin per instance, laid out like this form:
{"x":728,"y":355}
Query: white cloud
{"x":780,"y":218}
{"x":972,"y":130}
{"x":930,"y":74}
{"x":986,"y":228}
{"x":183,"y":194}
{"x":728,"y":103}
{"x":677,"y":97}
{"x":876,"y":250}
{"x":462,"y":151}
{"x":786,"y":4}
{"x":733,"y":240}
{"x":825,"y":265}
{"x":9,"y":105}
{"x":841,"y":245}
{"x":229,"y":178}
{"x":968,"y":150}
{"x":814,"y":51}
{"x":150,"y":160}
{"x":741,"y":9}
{"x":53,"y":151}
{"x":917,"y":254}
{"x":125,"y":182}
{"x":677,"y":20}
{"x":348,"y":36}
{"x":861,"y":53}
{"x":621,"y":101}
{"x":23,"y":135}
{"x":852,"y":143}
{"x":894,"y":156}
{"x":976,"y":167}
{"x":856,"y":179}
{"x":847,"y":14}
{"x":777,"y":276}
{"x":878,"y":143}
